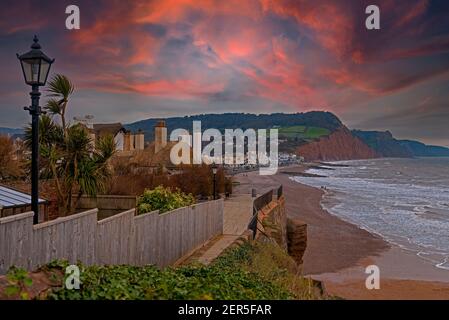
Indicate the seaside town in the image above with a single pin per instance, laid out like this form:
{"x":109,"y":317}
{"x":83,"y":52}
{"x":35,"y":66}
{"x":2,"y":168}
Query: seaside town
{"x":161,"y":159}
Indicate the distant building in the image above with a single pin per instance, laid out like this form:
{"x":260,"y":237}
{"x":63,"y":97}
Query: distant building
{"x":289,"y":158}
{"x":124,"y":139}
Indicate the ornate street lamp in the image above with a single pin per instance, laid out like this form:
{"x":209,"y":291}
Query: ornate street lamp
{"x":35,"y":67}
{"x":214,"y":172}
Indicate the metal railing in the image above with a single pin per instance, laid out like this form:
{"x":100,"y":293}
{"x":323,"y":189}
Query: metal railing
{"x":280,"y":191}
{"x":261,"y":202}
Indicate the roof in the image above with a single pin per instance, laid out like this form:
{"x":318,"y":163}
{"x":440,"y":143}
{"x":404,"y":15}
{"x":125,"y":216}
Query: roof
{"x":13,"y":198}
{"x":102,"y":129}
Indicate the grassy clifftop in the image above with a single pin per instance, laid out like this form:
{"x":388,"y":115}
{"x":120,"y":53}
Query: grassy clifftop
{"x":303,"y":132}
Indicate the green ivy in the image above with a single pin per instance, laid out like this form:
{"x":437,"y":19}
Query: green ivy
{"x":223,"y":279}
{"x":18,"y":280}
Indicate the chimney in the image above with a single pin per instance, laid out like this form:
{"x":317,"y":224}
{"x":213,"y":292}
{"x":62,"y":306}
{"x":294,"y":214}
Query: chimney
{"x":160,"y":136}
{"x":127,"y":141}
{"x":139,"y":140}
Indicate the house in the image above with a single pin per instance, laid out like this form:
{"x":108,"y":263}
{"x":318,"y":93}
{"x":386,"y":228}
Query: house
{"x":124,"y":139}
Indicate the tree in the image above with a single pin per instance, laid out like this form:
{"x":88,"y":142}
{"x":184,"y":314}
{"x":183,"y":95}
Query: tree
{"x":9,"y":166}
{"x":60,"y":88}
{"x":68,"y":156}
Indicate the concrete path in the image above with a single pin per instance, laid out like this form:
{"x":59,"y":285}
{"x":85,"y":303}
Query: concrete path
{"x":237,"y":214}
{"x":238,"y":211}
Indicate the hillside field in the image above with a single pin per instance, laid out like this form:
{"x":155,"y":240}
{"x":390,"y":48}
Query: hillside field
{"x":303,"y":132}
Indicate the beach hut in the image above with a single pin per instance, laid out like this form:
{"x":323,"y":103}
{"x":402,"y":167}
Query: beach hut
{"x":13,"y":202}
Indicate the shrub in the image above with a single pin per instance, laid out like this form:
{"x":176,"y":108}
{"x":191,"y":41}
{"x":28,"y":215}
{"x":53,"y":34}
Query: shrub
{"x":132,"y":179}
{"x":163,"y":199}
{"x":9,"y":166}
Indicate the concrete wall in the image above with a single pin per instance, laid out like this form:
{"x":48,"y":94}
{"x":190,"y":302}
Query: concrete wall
{"x":122,"y":239}
{"x":106,"y":202}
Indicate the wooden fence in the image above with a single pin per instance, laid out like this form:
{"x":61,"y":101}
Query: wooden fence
{"x":152,"y":238}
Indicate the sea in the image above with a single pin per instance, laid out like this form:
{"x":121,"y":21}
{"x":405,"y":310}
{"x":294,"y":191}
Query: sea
{"x":405,"y":201}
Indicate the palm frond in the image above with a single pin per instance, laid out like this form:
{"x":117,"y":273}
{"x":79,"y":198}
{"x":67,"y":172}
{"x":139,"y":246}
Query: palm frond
{"x":53,"y":107}
{"x":105,"y":148}
{"x":49,"y":132}
{"x":60,"y":86}
{"x":78,"y":142}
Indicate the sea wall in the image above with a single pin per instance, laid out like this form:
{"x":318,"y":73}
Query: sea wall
{"x":297,"y":239}
{"x":272,"y":222}
{"x":289,"y":234}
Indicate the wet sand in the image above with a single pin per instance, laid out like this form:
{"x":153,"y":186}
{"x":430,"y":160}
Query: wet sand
{"x":338,"y":252}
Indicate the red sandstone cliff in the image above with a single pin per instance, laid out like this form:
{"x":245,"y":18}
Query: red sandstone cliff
{"x":339,"y":145}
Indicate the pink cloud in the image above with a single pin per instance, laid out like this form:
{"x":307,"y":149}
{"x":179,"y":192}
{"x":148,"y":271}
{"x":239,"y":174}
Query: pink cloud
{"x":307,"y":55}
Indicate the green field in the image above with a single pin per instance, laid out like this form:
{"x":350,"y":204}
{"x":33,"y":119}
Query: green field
{"x":303,"y":132}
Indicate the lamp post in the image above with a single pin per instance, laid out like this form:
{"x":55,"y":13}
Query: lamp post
{"x":214,"y":172}
{"x":35,"y":67}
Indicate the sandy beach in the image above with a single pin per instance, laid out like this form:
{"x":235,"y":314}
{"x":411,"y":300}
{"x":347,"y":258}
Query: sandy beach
{"x":338,"y":252}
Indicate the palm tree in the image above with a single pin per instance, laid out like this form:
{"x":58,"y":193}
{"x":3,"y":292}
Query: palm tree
{"x":67,"y":154}
{"x":60,"y":88}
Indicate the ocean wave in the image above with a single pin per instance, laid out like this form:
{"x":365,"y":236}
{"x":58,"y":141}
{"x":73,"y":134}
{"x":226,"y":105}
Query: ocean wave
{"x":407,"y":212}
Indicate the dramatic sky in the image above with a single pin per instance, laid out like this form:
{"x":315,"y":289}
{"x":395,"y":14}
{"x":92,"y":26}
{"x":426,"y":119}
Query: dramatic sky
{"x":133,"y":60}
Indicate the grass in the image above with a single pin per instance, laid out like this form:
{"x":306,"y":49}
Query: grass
{"x":303,"y":132}
{"x":250,"y":271}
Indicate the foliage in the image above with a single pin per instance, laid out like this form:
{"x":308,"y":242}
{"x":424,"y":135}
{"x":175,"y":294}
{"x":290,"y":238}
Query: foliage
{"x":198,"y":179}
{"x":163,"y":199}
{"x":67,"y":153}
{"x":9,"y":167}
{"x":60,"y":88}
{"x":234,"y":275}
{"x":18,"y":280}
